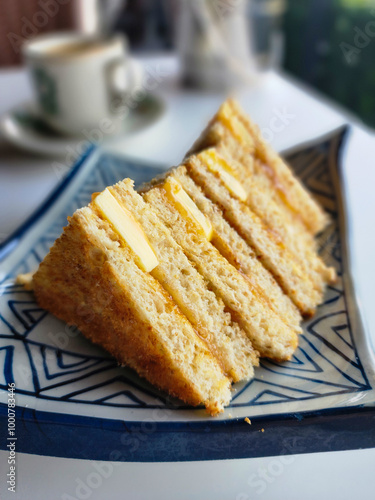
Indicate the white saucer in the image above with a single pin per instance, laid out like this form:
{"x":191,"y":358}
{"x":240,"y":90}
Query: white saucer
{"x":23,"y":127}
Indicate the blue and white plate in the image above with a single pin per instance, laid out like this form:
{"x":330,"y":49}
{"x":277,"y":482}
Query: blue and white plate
{"x":74,"y":401}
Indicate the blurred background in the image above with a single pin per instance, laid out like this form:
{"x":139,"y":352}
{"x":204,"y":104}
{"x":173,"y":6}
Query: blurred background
{"x":325,"y":43}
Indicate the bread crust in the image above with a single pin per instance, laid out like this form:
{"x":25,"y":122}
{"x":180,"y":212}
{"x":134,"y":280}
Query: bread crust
{"x":233,"y":130}
{"x":79,"y":283}
{"x":268,"y":333}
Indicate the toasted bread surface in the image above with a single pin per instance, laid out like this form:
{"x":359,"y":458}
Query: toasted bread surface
{"x":90,"y":279}
{"x":190,"y":291}
{"x":268,"y":333}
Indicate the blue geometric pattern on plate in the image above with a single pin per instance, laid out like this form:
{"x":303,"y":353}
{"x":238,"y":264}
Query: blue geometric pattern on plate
{"x":54,"y":365}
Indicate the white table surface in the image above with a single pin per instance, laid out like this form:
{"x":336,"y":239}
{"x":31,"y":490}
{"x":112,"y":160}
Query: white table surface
{"x":25,"y":180}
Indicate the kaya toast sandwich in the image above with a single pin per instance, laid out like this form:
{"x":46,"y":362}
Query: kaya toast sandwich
{"x":270,"y":336}
{"x":153,"y":290}
{"x":98,"y":276}
{"x":234,"y":248}
{"x":284,"y":229}
{"x":233,"y":129}
{"x":190,"y":291}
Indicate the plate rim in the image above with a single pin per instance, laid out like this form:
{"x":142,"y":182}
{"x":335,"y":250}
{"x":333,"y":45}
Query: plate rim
{"x":36,"y":143}
{"x":71,"y":436}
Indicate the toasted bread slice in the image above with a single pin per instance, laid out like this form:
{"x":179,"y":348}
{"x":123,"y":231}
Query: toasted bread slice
{"x":90,"y":279}
{"x":234,"y":248}
{"x":268,"y":248}
{"x":294,"y":238}
{"x":253,"y":175}
{"x":299,"y":199}
{"x":190,"y":291}
{"x":268,"y":333}
{"x":232,"y":128}
{"x":239,"y":253}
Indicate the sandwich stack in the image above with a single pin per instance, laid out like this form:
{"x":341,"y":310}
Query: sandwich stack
{"x":204,"y":270}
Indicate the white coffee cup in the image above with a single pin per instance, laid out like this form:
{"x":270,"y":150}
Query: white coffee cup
{"x":81,"y":80}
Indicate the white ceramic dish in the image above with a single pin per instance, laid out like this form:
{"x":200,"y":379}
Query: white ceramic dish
{"x":75,"y":402}
{"x":23,"y":128}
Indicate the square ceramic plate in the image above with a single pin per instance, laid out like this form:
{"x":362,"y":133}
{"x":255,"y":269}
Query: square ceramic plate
{"x":74,"y":401}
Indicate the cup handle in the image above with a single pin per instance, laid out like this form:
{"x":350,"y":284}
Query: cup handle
{"x":123,"y":75}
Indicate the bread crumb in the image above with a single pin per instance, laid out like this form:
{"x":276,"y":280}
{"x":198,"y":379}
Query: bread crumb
{"x":26,"y":280}
{"x":247,"y":420}
{"x":261,"y":430}
{"x":230,"y":415}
